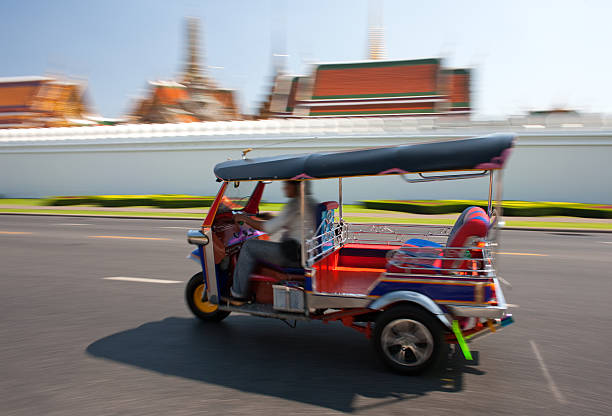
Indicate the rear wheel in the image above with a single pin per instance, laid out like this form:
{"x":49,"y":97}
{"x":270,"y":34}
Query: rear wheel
{"x":408,"y":339}
{"x":198,"y":302}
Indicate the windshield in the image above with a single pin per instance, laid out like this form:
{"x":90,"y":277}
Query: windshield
{"x":237,"y":195}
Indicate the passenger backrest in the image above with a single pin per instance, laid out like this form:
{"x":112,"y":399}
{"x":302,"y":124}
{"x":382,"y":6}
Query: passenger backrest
{"x":324,"y":222}
{"x":472,"y":223}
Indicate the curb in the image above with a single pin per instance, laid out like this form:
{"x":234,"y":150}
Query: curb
{"x":137,"y":217}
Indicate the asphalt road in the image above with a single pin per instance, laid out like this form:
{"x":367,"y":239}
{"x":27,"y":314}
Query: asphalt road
{"x":75,"y":343}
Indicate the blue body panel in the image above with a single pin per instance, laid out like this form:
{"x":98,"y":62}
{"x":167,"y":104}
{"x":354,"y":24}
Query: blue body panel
{"x":197,"y":255}
{"x":435,"y":291}
{"x":308,"y":284}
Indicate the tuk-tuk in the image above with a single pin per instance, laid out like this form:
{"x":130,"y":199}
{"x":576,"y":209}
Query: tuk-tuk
{"x":413,"y":289}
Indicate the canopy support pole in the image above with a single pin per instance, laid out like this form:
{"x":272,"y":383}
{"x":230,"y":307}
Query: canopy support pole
{"x":490,"y":206}
{"x":498,"y":194}
{"x":302,"y":206}
{"x":340,"y":198}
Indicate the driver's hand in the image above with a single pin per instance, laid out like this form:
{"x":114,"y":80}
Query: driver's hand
{"x":265,"y":216}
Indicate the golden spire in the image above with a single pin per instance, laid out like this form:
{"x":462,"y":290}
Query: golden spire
{"x":376,"y":32}
{"x":193,"y":75}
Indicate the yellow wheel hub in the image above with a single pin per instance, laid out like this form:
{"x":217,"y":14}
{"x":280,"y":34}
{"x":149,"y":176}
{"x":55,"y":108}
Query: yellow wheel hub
{"x":204,"y":306}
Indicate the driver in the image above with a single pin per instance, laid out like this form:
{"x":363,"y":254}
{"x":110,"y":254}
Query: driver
{"x":287,"y":252}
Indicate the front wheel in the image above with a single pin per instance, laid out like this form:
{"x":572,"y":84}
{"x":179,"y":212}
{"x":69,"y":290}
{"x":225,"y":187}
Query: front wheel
{"x":408,"y":339}
{"x":198,"y":302}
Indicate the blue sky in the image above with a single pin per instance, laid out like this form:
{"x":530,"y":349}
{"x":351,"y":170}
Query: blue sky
{"x":525,"y":54}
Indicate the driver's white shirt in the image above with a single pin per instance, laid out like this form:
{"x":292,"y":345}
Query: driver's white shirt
{"x":288,"y":220}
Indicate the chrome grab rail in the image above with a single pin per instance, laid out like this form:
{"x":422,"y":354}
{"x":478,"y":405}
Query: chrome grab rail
{"x":325,"y":242}
{"x":450,"y":177}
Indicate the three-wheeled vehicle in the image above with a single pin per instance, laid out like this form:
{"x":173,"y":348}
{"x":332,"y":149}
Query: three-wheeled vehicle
{"x":413,"y":289}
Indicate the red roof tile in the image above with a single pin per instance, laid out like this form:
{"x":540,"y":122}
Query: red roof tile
{"x":394,"y":78}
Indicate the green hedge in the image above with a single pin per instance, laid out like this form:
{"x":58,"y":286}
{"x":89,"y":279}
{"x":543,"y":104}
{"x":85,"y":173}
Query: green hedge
{"x":161,"y":201}
{"x":511,"y":208}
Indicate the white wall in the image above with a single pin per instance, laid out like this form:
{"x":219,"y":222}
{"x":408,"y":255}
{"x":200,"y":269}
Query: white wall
{"x":547,"y":165}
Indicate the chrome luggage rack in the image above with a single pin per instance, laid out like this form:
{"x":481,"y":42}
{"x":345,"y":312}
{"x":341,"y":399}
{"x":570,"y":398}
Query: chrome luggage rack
{"x":396,"y":234}
{"x":431,"y":261}
{"x":443,"y":261}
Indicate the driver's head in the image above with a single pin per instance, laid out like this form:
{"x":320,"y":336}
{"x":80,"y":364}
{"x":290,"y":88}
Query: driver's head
{"x":292,"y":188}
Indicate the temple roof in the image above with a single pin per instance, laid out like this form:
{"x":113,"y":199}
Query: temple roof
{"x":34,"y":101}
{"x":376,"y":79}
{"x":458,"y":88}
{"x":195,"y":98}
{"x":413,"y":87}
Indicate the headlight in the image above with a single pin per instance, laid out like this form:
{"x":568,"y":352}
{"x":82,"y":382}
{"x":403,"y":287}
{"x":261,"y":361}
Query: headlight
{"x":196,"y":237}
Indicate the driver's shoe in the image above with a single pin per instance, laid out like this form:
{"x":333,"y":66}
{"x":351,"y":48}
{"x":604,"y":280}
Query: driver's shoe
{"x":234,"y":301}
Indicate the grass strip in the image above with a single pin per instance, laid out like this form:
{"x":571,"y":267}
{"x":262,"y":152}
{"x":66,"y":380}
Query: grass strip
{"x":21,"y":201}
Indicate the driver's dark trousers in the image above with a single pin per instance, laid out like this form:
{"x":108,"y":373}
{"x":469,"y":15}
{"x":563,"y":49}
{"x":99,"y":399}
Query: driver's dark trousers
{"x":251,"y":253}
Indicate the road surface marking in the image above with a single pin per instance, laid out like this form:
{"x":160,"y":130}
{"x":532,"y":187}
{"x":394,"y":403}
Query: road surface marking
{"x":524,"y":254}
{"x":551,"y":383}
{"x":14,"y":232}
{"x":72,"y":223}
{"x":512,"y":305}
{"x":127,"y":238}
{"x":607,"y":242}
{"x":180,"y":228}
{"x":141,"y":279}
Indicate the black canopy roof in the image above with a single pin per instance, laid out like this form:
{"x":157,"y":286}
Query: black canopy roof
{"x":487,"y":152}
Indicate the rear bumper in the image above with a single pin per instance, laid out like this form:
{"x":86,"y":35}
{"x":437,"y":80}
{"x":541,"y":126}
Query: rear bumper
{"x":489,"y":312}
{"x":482,"y":329}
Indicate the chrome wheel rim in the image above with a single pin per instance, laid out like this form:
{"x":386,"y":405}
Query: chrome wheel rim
{"x":407,"y":342}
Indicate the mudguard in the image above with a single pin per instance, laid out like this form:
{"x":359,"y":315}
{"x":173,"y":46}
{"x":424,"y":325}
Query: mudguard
{"x":413,"y":297}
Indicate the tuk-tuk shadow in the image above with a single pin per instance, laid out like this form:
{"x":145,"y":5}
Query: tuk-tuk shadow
{"x":325,"y":365}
